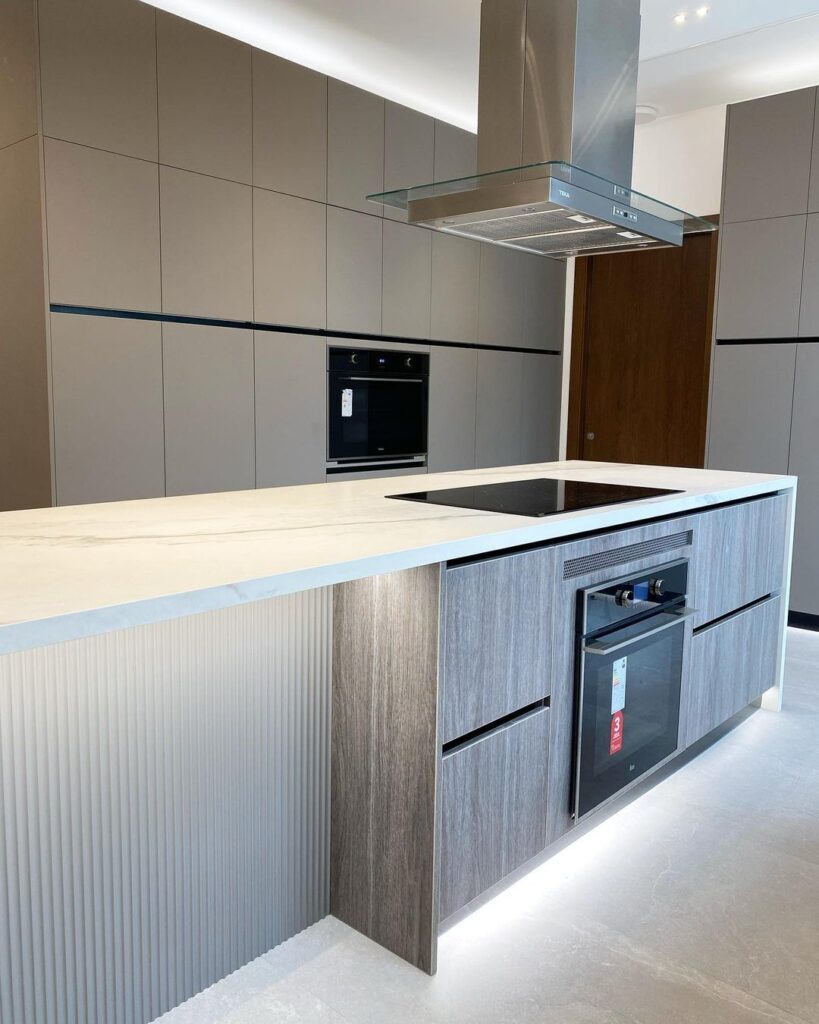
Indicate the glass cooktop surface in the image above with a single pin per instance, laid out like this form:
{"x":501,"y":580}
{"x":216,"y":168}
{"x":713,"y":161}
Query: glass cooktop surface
{"x":538,"y":497}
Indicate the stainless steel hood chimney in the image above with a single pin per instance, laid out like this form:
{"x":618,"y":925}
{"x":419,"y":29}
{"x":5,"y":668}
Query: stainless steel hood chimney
{"x":556,"y":111}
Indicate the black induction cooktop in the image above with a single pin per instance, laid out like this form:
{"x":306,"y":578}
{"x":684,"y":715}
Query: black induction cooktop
{"x":541,"y":496}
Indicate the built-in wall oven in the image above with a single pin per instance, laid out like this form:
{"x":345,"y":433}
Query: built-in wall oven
{"x":376,"y":409}
{"x":630,"y":647}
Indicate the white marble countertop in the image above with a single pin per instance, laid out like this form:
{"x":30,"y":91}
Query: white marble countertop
{"x":82,"y":570}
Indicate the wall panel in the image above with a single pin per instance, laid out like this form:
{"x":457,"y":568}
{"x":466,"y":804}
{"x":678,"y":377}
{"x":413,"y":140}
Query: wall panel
{"x":129,"y":765}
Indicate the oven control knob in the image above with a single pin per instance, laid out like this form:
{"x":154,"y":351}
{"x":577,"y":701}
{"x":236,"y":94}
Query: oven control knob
{"x":408,"y":361}
{"x":354,"y":358}
{"x":656,"y":588}
{"x":625,"y":597}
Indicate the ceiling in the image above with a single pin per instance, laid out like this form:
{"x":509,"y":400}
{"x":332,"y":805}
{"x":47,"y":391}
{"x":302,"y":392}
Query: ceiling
{"x":425,"y":53}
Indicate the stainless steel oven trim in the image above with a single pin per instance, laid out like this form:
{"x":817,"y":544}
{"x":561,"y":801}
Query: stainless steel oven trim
{"x":580,"y":694}
{"x":368,"y":463}
{"x":386,"y":380}
{"x":610,"y":582}
{"x":601,"y":647}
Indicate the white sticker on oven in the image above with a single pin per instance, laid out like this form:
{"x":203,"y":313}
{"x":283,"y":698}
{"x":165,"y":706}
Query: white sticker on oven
{"x":347,"y":402}
{"x":618,"y":685}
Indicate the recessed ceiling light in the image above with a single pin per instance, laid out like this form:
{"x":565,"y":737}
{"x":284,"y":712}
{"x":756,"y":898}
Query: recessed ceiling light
{"x":702,"y":11}
{"x":679,"y":19}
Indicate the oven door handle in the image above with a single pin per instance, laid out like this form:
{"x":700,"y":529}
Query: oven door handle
{"x":388,"y":380}
{"x":609,"y":647}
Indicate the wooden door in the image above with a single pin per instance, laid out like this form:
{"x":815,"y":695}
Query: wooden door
{"x":641,"y":351}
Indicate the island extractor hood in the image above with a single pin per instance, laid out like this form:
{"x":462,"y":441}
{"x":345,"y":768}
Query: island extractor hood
{"x":556,"y":114}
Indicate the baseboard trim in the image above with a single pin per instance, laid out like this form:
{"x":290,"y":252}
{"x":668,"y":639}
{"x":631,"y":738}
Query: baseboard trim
{"x":803,"y":620}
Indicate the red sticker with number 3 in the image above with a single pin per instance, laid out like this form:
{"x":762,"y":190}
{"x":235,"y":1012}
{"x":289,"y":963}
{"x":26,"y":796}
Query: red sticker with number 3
{"x":616,"y":738}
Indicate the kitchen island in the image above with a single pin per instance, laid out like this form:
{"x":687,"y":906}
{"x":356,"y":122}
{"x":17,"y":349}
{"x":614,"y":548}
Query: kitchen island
{"x":191,"y":689}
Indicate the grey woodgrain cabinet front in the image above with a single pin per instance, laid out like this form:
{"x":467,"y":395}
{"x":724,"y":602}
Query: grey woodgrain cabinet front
{"x":738,"y":556}
{"x":493,"y":807}
{"x":730,"y":664}
{"x":496,"y":640}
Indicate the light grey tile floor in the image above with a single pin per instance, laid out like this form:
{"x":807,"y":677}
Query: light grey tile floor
{"x":698,"y":903}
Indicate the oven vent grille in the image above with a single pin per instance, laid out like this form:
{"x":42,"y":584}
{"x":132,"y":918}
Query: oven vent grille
{"x":574,"y":567}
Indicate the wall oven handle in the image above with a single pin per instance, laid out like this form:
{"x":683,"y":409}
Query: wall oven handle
{"x":610,"y":647}
{"x":389,"y":380}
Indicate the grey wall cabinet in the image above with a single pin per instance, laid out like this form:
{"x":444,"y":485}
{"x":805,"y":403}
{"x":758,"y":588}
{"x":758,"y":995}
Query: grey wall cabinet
{"x":407,"y":267}
{"x":409,"y":151}
{"x":355,"y":150}
{"x":107,"y":377}
{"x":205,"y":106}
{"x":493,"y":808}
{"x":291,"y":409}
{"x":456,"y":266}
{"x":102,"y":222}
{"x":809,"y":312}
{"x":769,"y":140}
{"x":813,"y":195}
{"x":540,"y":408}
{"x":521,"y":299}
{"x":289,"y":127}
{"x":209,"y":423}
{"x":98,"y":74}
{"x":805,"y":464}
{"x":207,"y":245}
{"x":289,"y":260}
{"x":749,"y":643}
{"x":456,"y":152}
{"x":751,"y":401}
{"x":499,"y":411}
{"x":453,"y":383}
{"x":722,"y":577}
{"x":354,"y":271}
{"x":761,"y":278}
{"x":500,"y":321}
{"x":496,"y":640}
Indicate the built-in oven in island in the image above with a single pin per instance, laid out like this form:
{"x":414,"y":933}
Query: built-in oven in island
{"x":630,"y":650}
{"x":376,"y":409}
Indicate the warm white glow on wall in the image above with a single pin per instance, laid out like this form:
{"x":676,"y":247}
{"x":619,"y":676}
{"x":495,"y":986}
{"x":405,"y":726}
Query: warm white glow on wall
{"x":679,"y":19}
{"x":336,"y":46}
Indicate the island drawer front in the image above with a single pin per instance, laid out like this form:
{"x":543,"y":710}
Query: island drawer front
{"x":493,"y":807}
{"x":738,"y":556}
{"x":496,"y":639}
{"x":730,"y":664}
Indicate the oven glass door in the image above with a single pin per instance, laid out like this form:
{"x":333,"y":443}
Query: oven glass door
{"x":375,"y":417}
{"x":629,"y":706}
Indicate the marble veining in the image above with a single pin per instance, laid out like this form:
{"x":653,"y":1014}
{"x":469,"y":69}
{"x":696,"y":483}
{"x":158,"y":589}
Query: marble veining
{"x":78,"y":571}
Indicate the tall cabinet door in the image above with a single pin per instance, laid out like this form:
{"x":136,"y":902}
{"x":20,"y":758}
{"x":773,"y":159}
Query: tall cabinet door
{"x":540,"y":408}
{"x":751,"y":398}
{"x":452,"y":407}
{"x":209,"y":428}
{"x":499,"y":414}
{"x":291,"y":409}
{"x":107,"y":383}
{"x":805,"y":465}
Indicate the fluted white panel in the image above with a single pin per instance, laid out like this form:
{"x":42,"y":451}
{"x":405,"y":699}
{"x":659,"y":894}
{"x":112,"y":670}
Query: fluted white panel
{"x":164,"y":808}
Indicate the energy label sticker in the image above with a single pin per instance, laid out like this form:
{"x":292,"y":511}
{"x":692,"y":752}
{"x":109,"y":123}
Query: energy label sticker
{"x":618,"y":685}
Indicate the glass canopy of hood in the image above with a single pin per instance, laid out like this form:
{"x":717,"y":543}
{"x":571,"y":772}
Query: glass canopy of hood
{"x":552,"y":209}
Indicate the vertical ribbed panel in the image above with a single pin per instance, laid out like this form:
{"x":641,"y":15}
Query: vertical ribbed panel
{"x":164,"y":808}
